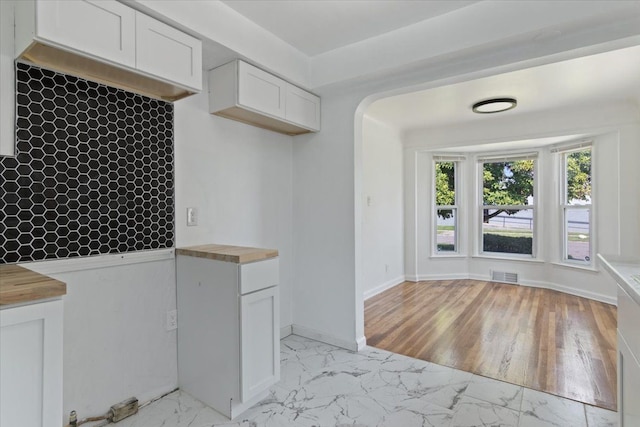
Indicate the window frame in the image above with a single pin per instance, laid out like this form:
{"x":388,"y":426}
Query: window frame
{"x":500,"y":158}
{"x":457,"y":160}
{"x":564,"y":151}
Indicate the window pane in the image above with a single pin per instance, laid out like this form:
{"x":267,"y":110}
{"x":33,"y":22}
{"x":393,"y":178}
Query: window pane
{"x":508,"y":183}
{"x":446,"y":235}
{"x":577,"y":234}
{"x":578,"y":167}
{"x":508,"y":232}
{"x":445,"y":183}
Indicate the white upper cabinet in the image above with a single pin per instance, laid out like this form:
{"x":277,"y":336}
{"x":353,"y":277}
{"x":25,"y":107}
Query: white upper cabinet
{"x":242,"y":92}
{"x":105,"y":29}
{"x":163,"y":51}
{"x":109,"y":42}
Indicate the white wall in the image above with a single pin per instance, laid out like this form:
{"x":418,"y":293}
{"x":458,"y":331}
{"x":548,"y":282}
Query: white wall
{"x":115,"y":340}
{"x":614,"y":129}
{"x":382,"y":212}
{"x":325,"y":295}
{"x":240,"y":179}
{"x":630,"y":190}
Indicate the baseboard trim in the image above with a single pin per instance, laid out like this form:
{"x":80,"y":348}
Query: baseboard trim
{"x":532,"y":283}
{"x":455,"y":276}
{"x":361,"y":343}
{"x":314,"y":334}
{"x":285,"y":331}
{"x":557,"y":287}
{"x":573,"y":291}
{"x":381,"y":288}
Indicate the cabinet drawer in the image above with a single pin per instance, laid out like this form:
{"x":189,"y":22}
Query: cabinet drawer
{"x":259,"y":275}
{"x":628,"y":320}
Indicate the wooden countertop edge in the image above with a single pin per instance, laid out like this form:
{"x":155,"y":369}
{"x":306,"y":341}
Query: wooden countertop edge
{"x":234,"y":254}
{"x":20,"y":285}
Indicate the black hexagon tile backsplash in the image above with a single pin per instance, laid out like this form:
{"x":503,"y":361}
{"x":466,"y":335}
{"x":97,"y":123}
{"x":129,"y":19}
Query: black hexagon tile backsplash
{"x":93,"y":172}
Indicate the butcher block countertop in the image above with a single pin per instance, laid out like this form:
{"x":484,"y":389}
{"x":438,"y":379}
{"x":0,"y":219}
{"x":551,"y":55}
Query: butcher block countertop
{"x":235,"y":254}
{"x":19,"y":285}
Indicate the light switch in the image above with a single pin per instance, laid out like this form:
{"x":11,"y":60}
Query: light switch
{"x":192,"y":217}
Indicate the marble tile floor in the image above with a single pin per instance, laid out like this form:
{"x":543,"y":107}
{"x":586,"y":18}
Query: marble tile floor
{"x":322,"y":385}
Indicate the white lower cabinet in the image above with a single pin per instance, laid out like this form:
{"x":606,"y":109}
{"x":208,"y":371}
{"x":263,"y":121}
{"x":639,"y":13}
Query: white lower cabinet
{"x":628,"y":360}
{"x":228,"y":331}
{"x":628,"y":386}
{"x":31,"y":365}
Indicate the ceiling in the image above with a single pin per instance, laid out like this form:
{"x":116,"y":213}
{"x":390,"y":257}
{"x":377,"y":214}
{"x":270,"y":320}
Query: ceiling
{"x":318,"y":26}
{"x":325,"y":45}
{"x":607,"y":77}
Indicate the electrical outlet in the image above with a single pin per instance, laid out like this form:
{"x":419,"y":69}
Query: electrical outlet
{"x":192,"y":217}
{"x":172,"y":320}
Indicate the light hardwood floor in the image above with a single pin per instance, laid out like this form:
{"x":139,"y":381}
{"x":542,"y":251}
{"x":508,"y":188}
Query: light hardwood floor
{"x":538,"y":338}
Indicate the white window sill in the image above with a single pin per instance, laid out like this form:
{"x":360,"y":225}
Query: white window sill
{"x":444,"y":256}
{"x":508,"y":258}
{"x":590,"y":268}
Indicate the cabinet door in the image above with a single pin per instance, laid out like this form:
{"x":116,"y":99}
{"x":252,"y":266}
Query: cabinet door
{"x":261,"y":91}
{"x":102,"y":28}
{"x":628,"y":385}
{"x":303,"y":108}
{"x":168,"y":53}
{"x":31,"y":365}
{"x":260,"y":342}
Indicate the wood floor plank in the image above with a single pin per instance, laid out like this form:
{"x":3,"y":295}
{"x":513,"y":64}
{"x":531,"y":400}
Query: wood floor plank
{"x":542,"y":339}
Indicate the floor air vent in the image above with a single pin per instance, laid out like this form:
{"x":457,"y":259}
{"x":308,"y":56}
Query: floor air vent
{"x":504,"y":276}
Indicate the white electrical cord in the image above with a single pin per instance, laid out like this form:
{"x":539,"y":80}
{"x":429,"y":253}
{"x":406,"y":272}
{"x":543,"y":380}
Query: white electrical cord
{"x":106,"y":418}
{"x":74,"y":423}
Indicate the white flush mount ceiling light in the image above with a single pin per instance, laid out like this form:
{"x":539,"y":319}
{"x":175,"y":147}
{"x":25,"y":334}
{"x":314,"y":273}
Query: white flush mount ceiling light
{"x":494,"y":105}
